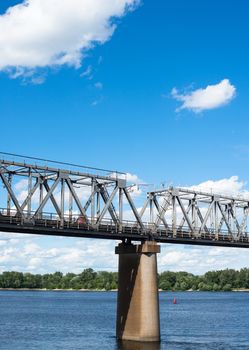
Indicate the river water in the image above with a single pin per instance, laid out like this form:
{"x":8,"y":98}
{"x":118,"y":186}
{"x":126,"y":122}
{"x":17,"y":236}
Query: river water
{"x":86,"y":320}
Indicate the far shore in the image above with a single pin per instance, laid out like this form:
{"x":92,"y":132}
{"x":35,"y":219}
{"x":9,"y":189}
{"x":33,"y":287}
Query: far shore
{"x":57,"y":290}
{"x":111,"y":290}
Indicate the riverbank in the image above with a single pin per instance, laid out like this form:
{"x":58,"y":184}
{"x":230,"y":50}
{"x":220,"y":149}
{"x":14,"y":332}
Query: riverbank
{"x":57,"y":290}
{"x":90,"y":280}
{"x":111,"y":290}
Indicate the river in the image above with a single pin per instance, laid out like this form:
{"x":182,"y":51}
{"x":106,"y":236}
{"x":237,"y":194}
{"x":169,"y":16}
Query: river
{"x":37,"y":320}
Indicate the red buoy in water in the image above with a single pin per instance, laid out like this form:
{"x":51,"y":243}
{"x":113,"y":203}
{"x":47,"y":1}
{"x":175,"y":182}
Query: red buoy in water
{"x":174,"y":301}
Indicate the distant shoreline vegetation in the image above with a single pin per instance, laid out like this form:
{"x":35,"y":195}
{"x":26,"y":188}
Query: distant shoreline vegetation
{"x":223,"y":280}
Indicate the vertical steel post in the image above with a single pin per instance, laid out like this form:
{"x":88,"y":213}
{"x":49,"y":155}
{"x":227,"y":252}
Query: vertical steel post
{"x":41,"y":195}
{"x":8,"y":196}
{"x":98,"y":204}
{"x":70,"y":206}
{"x":151,"y":209}
{"x":93,"y":201}
{"x":216,"y":219}
{"x":29,"y":192}
{"x":193,"y":207}
{"x":120,"y":209}
{"x":174,"y":215}
{"x":62,"y":201}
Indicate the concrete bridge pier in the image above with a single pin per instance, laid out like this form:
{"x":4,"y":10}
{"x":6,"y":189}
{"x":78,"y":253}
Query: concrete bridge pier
{"x":137,"y":304}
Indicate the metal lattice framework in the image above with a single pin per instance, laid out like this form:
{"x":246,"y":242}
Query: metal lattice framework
{"x":46,"y":200}
{"x":47,"y":187}
{"x":198,"y":214}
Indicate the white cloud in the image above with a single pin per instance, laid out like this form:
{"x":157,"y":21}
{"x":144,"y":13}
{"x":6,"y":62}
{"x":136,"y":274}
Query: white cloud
{"x":231,"y":186}
{"x":202,"y":259}
{"x":213,"y":96}
{"x":132,"y":178}
{"x":46,"y":33}
{"x":74,"y":255}
{"x":66,"y":255}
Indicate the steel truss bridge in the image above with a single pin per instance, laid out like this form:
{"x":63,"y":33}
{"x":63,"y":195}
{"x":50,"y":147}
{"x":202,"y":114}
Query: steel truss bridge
{"x":87,"y":202}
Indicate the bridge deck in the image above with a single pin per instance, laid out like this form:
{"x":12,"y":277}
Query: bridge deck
{"x":108,"y":230}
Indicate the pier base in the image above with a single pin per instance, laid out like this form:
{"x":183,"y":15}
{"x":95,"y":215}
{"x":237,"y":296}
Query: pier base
{"x":138,"y":305}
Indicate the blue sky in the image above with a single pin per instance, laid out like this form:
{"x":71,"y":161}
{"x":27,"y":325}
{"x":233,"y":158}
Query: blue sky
{"x":115,"y":109}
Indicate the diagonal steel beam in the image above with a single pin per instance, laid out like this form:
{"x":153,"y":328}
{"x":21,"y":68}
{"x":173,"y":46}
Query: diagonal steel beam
{"x":184,"y":213}
{"x":133,"y":208}
{"x":234,"y":217}
{"x":76,"y":198}
{"x":4,"y":169}
{"x":206,"y":216}
{"x":220,"y":224}
{"x":28,"y":198}
{"x":47,"y":197}
{"x":183,"y":219}
{"x":12,"y":195}
{"x":201,"y":219}
{"x":105,"y":196}
{"x":142,"y":211}
{"x":222,"y":221}
{"x":89,"y":201}
{"x":161,"y":212}
{"x":53,"y":200}
{"x":108,"y":203}
{"x":225,"y":218}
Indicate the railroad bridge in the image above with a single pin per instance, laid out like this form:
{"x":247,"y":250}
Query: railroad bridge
{"x":62,"y":199}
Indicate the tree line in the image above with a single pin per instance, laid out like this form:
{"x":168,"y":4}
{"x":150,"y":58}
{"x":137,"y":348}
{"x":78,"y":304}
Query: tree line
{"x":223,"y":280}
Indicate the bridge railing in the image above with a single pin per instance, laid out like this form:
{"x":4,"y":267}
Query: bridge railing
{"x":128,"y":227}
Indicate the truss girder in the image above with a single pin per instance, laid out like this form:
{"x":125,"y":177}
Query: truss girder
{"x":31,"y":194}
{"x":201,"y":213}
{"x":36,"y":192}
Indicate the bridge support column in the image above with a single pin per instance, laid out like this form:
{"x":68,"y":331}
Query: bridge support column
{"x":138,"y":305}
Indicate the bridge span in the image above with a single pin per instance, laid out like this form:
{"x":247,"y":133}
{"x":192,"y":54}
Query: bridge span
{"x":63,"y":199}
{"x":46,"y":200}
